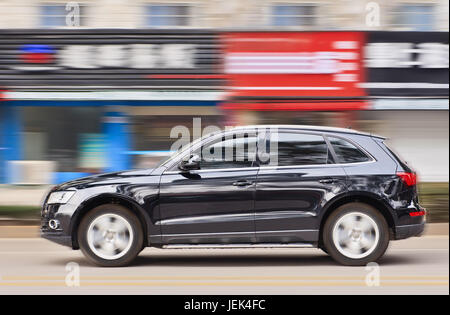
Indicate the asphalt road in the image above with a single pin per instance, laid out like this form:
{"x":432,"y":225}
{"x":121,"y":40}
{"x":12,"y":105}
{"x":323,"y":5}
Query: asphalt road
{"x":414,"y":266}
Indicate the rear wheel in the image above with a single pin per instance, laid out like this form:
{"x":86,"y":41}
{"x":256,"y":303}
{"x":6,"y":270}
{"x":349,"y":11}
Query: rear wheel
{"x":356,"y":234}
{"x":110,"y":236}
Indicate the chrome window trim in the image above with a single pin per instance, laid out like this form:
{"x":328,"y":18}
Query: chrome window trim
{"x":259,"y":130}
{"x":240,"y":233}
{"x":326,"y":137}
{"x":314,"y":165}
{"x":251,"y":168}
{"x":270,"y":167}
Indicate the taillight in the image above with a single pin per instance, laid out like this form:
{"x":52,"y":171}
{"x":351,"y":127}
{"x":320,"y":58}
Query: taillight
{"x":417,"y":213}
{"x":410,"y":179}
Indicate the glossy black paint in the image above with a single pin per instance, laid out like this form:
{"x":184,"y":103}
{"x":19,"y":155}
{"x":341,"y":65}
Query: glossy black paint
{"x":257,"y":204}
{"x":208,"y":206}
{"x":289,"y":200}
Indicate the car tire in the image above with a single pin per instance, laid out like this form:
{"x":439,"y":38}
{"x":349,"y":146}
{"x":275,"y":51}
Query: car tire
{"x":110,"y":235}
{"x":356,"y":234}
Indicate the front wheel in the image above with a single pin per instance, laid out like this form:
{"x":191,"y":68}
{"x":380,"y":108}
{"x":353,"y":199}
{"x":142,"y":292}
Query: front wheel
{"x":356,"y":234}
{"x":110,"y":236}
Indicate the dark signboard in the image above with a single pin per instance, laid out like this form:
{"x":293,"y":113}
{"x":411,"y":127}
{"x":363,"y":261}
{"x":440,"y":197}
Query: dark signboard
{"x":294,"y":65}
{"x":407,"y":64}
{"x":109,"y":58}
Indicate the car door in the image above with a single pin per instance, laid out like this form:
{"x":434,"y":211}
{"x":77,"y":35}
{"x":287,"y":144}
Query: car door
{"x":292,"y":187}
{"x":214,"y":204}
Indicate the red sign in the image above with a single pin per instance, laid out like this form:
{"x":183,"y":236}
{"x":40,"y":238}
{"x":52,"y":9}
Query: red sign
{"x":295,"y":66}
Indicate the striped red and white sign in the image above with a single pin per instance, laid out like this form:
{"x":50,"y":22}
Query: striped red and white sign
{"x":323,"y":62}
{"x":294,"y":64}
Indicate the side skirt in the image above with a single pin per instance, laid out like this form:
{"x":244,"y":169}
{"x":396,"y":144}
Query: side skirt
{"x":228,"y":246}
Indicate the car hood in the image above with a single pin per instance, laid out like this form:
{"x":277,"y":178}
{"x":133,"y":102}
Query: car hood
{"x":107,"y":178}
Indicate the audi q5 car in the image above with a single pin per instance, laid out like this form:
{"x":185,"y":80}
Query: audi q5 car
{"x":339,"y":190}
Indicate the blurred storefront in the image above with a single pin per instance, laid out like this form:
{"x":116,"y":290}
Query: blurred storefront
{"x":407,"y":84}
{"x":390,"y":83}
{"x":90,"y":101}
{"x":294,"y":78}
{"x":78,"y":102}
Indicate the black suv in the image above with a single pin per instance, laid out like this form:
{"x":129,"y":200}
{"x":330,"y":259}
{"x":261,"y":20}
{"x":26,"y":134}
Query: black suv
{"x":336,"y":189}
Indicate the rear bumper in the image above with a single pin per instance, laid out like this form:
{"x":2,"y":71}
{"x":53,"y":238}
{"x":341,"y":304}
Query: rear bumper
{"x":405,"y":231}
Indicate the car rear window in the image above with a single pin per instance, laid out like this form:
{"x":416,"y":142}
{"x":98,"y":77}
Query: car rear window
{"x":347,"y":152}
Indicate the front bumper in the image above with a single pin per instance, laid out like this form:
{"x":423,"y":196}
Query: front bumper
{"x":57,"y":237}
{"x":63,"y":214}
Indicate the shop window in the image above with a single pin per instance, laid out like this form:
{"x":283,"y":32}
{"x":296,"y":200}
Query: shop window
{"x":168,"y":15}
{"x":413,"y":17}
{"x":62,"y":15}
{"x":285,"y":15}
{"x":70,"y":136}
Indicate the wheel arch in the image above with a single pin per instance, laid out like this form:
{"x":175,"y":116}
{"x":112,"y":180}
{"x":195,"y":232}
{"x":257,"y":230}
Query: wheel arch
{"x":102,"y":199}
{"x":369,"y":199}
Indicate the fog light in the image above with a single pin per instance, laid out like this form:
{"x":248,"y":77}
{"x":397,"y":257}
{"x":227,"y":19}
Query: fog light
{"x":53,"y":224}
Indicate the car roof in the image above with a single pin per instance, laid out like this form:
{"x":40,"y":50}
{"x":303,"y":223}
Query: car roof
{"x":309,"y":128}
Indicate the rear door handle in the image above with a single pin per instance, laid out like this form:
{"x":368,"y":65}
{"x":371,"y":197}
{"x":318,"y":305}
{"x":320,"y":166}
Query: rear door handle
{"x":327,"y":181}
{"x":241,"y":183}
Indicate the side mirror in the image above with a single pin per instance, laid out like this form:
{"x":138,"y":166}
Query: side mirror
{"x":193,"y":163}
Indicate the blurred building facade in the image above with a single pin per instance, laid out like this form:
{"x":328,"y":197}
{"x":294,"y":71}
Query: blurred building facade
{"x":394,"y":15}
{"x":94,"y":86}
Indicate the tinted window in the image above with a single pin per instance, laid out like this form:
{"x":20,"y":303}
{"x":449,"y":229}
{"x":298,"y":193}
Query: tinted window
{"x":230,"y":152}
{"x":298,"y":149}
{"x":168,"y":15}
{"x":347,"y":152}
{"x":294,"y":15}
{"x":54,"y":15}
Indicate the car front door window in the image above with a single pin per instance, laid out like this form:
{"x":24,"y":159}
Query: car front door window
{"x":235,"y":151}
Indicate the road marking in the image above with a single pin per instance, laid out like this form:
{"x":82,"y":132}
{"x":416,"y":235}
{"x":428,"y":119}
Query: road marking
{"x":284,"y":252}
{"x":416,"y":249}
{"x":215,"y":278}
{"x":242,"y":284}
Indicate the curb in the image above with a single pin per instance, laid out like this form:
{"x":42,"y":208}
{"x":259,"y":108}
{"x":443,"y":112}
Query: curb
{"x":20,"y":231}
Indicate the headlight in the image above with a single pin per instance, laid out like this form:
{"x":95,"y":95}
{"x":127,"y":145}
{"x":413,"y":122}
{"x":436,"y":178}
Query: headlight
{"x":60,"y":197}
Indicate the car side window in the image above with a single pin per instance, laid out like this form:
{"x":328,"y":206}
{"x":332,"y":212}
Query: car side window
{"x":290,"y":148}
{"x":347,"y":152}
{"x":234,"y":151}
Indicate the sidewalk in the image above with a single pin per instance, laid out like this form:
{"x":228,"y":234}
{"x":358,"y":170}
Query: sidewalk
{"x":23,"y":195}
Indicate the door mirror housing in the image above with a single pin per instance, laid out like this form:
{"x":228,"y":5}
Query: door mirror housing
{"x":193,"y":163}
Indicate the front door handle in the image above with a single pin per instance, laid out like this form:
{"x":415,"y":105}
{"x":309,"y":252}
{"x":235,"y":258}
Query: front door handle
{"x":327,"y":181}
{"x":241,"y":183}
